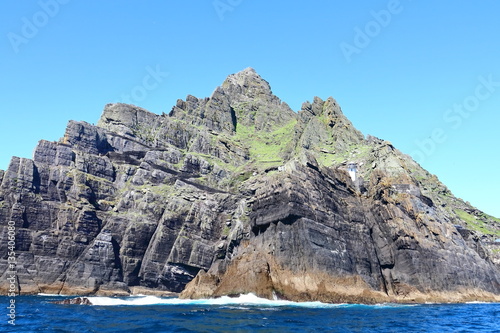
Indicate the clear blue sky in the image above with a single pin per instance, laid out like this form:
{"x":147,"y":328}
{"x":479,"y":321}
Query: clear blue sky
{"x":412,"y":72}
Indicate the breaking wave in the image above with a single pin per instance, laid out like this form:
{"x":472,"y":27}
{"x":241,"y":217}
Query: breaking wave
{"x":235,"y":302}
{"x":248,"y":300}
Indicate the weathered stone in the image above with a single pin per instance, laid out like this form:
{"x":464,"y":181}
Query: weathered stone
{"x":87,"y":138}
{"x":73,"y":301}
{"x":236,"y":193}
{"x":53,"y":154}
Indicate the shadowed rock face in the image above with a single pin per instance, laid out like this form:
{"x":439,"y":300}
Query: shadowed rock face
{"x":237,"y":193}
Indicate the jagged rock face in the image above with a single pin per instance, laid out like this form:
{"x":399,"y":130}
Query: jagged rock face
{"x":237,"y":193}
{"x":305,"y":248}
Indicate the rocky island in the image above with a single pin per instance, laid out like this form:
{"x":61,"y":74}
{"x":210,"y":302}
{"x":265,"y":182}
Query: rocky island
{"x":234,"y":194}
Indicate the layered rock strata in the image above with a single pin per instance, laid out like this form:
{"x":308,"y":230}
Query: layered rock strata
{"x":236,"y":193}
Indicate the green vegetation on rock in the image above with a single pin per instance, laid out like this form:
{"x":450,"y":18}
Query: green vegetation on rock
{"x":265,"y":147}
{"x":253,"y":196}
{"x":476,"y":224}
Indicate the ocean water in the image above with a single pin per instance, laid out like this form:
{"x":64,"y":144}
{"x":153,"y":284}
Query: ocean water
{"x":246,"y":313}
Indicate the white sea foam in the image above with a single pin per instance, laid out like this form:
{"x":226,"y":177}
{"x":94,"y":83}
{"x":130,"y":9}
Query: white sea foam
{"x":477,"y":302}
{"x":132,"y":300}
{"x":51,"y":295}
{"x":241,"y":301}
{"x":248,"y":300}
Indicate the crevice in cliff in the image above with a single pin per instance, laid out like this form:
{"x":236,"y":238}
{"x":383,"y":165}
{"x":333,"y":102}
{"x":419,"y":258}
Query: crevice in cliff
{"x":177,"y":275}
{"x":312,"y":166}
{"x":126,"y":138}
{"x":185,"y":176}
{"x":290,"y":219}
{"x":382,"y":267}
{"x":117,"y":261}
{"x":25,"y":219}
{"x":36,"y":179}
{"x":63,"y":282}
{"x":234,"y":120}
{"x":128,"y":157}
{"x":258,"y":229}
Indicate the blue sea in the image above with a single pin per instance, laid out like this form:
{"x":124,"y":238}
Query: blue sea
{"x":246,"y":313}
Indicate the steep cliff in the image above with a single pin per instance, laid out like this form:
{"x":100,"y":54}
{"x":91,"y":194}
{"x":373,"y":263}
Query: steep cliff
{"x":237,"y":193}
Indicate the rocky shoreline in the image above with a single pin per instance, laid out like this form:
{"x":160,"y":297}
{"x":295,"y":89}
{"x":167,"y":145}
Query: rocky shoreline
{"x":367,"y":297}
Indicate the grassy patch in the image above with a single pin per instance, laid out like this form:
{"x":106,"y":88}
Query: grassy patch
{"x":214,"y":161}
{"x":355,"y":152}
{"x":266,"y":147}
{"x":475,"y":224}
{"x":497,"y":220}
{"x":243,"y":176}
{"x":226,"y":231}
{"x":161,"y":190}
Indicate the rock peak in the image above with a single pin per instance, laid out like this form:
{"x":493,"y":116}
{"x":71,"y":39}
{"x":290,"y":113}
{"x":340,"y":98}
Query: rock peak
{"x":248,"y":70}
{"x":121,"y":117}
{"x":246,"y":82}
